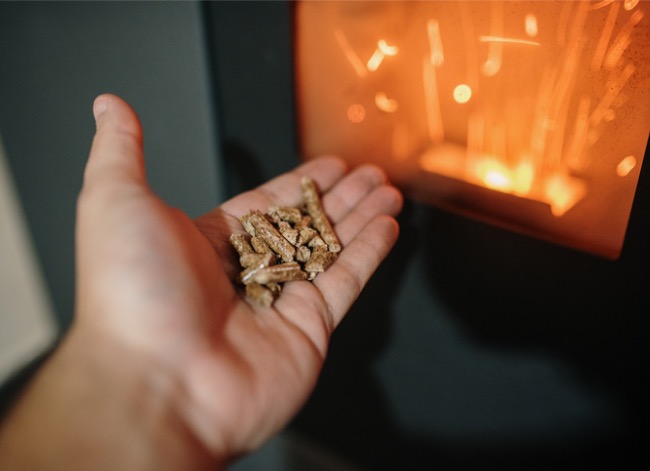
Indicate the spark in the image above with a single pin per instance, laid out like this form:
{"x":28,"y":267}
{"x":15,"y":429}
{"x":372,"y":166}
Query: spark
{"x":386,"y":104}
{"x":625,"y":166}
{"x":462,"y":93}
{"x":356,"y":113}
{"x":350,"y":55}
{"x":530,"y":25}
{"x":435,"y":43}
{"x":500,"y":39}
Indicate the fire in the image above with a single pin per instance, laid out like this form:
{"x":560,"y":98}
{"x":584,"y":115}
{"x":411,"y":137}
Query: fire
{"x":494,"y":175}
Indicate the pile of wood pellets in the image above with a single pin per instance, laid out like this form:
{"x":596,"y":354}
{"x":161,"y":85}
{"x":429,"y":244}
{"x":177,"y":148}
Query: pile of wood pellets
{"x":285,"y":244}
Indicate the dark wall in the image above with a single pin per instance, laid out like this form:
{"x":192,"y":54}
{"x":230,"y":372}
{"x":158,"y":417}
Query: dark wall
{"x":251,"y":44}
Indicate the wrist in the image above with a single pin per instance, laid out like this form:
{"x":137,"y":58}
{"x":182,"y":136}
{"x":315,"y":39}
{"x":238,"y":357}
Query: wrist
{"x":97,"y":404}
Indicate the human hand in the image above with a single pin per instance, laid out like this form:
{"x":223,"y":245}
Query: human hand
{"x":155,"y":289}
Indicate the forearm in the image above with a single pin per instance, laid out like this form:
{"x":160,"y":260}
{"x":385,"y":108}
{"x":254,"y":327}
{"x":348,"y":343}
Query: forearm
{"x":95,"y":406}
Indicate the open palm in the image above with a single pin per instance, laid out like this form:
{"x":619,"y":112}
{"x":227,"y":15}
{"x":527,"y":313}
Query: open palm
{"x":161,"y":284}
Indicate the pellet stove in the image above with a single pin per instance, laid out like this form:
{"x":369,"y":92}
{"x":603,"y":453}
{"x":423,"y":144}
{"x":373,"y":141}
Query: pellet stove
{"x":532,"y":115}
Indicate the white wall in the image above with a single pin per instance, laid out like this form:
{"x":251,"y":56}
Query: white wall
{"x":26,"y":321}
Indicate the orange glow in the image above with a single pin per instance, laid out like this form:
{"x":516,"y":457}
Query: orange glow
{"x":462,"y":93}
{"x":531,"y":114}
{"x":625,"y":166}
{"x":356,"y":113}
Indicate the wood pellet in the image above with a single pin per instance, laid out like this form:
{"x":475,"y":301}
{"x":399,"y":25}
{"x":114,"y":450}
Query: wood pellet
{"x":284,"y":244}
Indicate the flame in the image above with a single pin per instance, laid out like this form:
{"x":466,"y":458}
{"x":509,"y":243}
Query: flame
{"x":497,"y":176}
{"x":494,"y":175}
{"x":561,"y":192}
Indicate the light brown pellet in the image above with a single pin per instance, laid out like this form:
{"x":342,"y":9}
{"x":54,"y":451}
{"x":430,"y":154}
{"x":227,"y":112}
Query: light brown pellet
{"x":284,"y":244}
{"x":319,"y":218}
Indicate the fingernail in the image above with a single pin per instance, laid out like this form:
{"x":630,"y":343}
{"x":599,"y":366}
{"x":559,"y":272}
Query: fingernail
{"x":100,"y":106}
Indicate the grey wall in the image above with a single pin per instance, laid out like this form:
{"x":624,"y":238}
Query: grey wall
{"x":55,"y":57}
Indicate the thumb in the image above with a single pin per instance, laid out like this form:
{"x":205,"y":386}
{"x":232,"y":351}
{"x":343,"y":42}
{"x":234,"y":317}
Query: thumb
{"x":114,"y":175}
{"x":116,"y":156}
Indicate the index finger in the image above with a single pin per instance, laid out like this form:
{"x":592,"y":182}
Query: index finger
{"x":285,"y":190}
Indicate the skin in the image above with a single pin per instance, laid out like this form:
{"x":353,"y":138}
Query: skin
{"x":166,"y":365}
